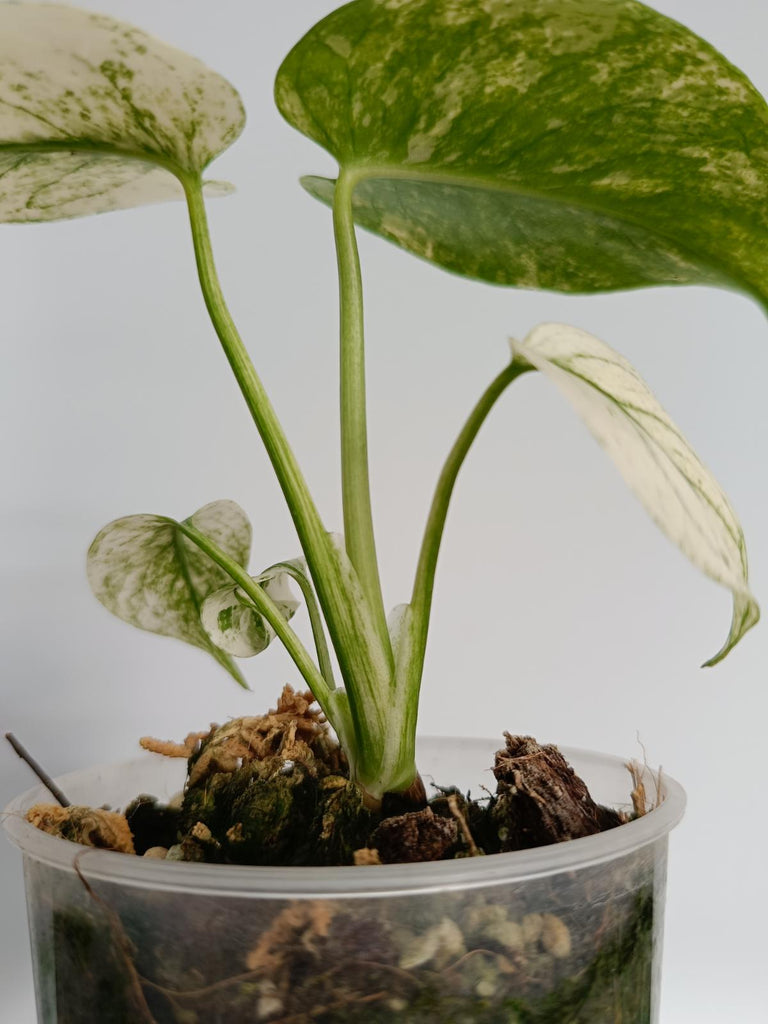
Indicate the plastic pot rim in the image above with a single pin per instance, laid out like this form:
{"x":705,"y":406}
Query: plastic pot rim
{"x":380,"y":881}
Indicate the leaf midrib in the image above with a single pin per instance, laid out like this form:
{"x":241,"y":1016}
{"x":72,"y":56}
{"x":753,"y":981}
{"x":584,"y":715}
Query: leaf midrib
{"x":99,"y":149}
{"x":197,"y":600}
{"x":183,"y":560}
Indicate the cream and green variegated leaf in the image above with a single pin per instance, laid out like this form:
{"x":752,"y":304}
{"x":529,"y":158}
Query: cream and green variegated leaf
{"x":651,"y":454}
{"x":235,"y":625}
{"x":146,"y":570}
{"x":407,"y":678}
{"x":576,"y":145}
{"x":96,"y":115}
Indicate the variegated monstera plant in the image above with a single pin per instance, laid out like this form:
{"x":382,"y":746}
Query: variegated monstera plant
{"x":574,"y":145}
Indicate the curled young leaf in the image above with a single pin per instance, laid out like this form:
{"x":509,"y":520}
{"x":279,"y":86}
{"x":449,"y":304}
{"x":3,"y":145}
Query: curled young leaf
{"x":654,"y":458}
{"x":148,"y":573}
{"x":235,"y":625}
{"x":94,"y":114}
{"x":577,"y":145}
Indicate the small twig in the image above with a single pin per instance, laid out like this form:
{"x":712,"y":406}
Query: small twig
{"x":250,"y":976}
{"x":340,"y":1004}
{"x":396,"y":972}
{"x":455,"y":810}
{"x":208,"y":990}
{"x":44,"y":777}
{"x":471,"y":955}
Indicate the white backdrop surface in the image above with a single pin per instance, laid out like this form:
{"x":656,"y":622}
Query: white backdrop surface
{"x":560,"y":611}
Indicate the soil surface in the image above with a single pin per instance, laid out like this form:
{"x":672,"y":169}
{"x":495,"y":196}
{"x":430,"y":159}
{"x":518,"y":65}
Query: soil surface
{"x":275,"y":790}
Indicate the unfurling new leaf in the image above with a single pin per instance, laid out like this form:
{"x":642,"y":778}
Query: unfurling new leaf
{"x":235,"y":625}
{"x":94,"y":114}
{"x":656,"y":461}
{"x":147,"y":572}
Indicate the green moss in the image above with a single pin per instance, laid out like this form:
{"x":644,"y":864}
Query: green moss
{"x":270,"y":805}
{"x":280,"y":812}
{"x":90,"y":972}
{"x":342,"y":822}
{"x":616,"y":986}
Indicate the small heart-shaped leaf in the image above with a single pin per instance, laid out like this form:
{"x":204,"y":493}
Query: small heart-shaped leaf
{"x":148,"y":573}
{"x":656,"y":461}
{"x":235,"y":625}
{"x":94,"y":114}
{"x":577,"y":145}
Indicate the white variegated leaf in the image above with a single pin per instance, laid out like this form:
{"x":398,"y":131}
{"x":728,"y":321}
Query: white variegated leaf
{"x":144,"y":570}
{"x":398,"y":624}
{"x":656,"y":461}
{"x":96,"y":115}
{"x":235,"y":625}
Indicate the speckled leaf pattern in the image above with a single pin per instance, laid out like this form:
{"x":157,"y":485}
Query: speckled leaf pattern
{"x":95,"y":113}
{"x":656,"y":461}
{"x":147,"y":573}
{"x":235,"y":625}
{"x":576,"y":145}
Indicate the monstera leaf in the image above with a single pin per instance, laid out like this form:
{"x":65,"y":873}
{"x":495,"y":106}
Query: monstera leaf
{"x":145,"y":570}
{"x":577,"y":145}
{"x":653,"y":457}
{"x":96,"y":115}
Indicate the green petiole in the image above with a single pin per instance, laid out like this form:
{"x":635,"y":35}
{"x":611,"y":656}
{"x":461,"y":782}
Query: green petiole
{"x":315,"y":617}
{"x":269,"y":610}
{"x":421,"y":598}
{"x":356,"y":492}
{"x":358,"y":632}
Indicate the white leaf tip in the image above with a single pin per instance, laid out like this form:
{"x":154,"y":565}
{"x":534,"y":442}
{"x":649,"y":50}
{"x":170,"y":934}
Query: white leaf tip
{"x":746,"y":615}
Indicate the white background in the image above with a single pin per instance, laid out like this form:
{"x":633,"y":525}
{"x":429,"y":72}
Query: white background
{"x":560,"y":610}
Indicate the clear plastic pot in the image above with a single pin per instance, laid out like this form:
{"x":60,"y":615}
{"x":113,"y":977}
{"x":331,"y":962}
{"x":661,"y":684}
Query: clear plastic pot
{"x":570,"y":932}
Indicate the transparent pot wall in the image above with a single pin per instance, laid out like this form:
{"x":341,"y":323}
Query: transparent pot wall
{"x":569,"y":933}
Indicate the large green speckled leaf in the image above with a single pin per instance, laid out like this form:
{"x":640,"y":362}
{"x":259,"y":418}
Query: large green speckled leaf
{"x":577,"y":145}
{"x":146,"y":572}
{"x":94,"y":114}
{"x":653,"y":457}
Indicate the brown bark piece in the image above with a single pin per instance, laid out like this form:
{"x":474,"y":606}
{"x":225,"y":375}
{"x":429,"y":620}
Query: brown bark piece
{"x":418,"y":836}
{"x":541,"y":800}
{"x":104,"y":830}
